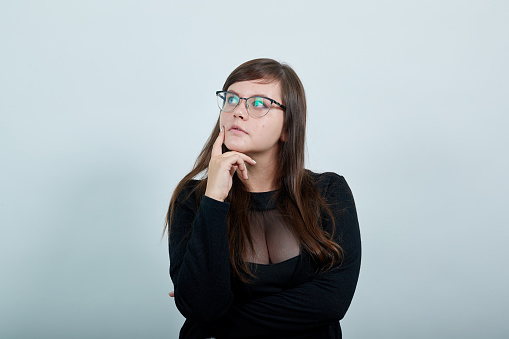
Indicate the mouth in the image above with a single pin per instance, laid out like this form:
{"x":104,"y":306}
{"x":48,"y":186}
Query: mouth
{"x":236,"y":128}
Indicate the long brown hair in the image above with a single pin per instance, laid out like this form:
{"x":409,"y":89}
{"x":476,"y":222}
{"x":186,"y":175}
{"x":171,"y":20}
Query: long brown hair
{"x":298,"y":200}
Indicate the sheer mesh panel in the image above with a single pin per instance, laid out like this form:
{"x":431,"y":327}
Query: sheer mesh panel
{"x":273,"y":242}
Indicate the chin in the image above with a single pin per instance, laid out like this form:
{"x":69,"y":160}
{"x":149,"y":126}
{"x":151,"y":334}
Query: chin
{"x":238,"y":149}
{"x":235,"y":147}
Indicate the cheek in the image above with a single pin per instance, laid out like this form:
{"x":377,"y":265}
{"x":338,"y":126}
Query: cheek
{"x":222,"y":120}
{"x":269,"y":131}
{"x":272,"y":132}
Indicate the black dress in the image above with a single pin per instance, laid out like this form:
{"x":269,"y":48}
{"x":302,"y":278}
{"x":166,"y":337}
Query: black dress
{"x":286,"y":299}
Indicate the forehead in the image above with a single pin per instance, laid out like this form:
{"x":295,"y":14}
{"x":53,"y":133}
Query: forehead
{"x":247,"y":89}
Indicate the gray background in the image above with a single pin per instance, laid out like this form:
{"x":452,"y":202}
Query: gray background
{"x":104,"y":106}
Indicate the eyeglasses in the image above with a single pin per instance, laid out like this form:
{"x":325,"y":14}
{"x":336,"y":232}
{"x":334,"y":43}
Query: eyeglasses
{"x":256,"y":106}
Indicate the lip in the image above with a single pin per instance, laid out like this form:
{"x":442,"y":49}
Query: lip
{"x":237,"y":129}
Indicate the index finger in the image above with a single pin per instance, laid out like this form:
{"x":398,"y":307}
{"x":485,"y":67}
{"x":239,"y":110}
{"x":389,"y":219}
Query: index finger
{"x":217,"y":147}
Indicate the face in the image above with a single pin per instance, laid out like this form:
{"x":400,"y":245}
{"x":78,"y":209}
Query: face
{"x":259,"y":136}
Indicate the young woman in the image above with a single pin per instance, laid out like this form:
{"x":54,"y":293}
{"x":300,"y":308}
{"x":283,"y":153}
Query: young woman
{"x":260,"y":247}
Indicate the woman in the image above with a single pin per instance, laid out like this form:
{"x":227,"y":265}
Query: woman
{"x":262,"y":247}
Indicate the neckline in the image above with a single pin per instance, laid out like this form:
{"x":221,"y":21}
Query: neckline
{"x":263,"y":201}
{"x":266,"y":192}
{"x":287,"y":261}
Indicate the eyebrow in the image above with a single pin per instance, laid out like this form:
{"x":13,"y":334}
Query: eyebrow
{"x":255,"y":95}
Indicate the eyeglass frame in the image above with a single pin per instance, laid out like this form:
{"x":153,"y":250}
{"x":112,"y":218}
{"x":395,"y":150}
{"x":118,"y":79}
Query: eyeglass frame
{"x":272,"y":101}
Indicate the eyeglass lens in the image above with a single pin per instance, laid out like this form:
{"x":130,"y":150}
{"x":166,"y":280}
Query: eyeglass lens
{"x":257,"y":106}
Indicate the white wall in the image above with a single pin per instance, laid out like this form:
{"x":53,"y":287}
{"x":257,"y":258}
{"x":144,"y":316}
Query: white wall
{"x":104,"y":105}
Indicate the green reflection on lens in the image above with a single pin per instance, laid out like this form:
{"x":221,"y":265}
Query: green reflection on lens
{"x":258,"y":102}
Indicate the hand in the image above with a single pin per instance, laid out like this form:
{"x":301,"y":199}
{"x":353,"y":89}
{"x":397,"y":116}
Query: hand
{"x":172,"y":294}
{"x":222,"y":166}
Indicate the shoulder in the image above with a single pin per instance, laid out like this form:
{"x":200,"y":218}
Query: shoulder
{"x":188,"y":195}
{"x":334,"y":189}
{"x":190,"y":186}
{"x":325,"y":177}
{"x":329,"y":182}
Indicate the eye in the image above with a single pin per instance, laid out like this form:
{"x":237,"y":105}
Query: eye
{"x":258,"y":102}
{"x":232,"y":99}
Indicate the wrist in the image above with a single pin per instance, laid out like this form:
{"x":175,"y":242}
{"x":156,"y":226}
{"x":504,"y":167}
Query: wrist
{"x":214,"y":196}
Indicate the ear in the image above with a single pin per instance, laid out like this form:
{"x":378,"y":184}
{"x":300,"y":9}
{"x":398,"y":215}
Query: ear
{"x":284,"y":136}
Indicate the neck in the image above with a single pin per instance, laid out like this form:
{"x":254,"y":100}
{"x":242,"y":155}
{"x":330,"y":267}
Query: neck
{"x":262,"y":176}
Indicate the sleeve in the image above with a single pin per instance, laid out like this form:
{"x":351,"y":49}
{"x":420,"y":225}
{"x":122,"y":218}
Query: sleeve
{"x":199,"y":258}
{"x":314,"y":304}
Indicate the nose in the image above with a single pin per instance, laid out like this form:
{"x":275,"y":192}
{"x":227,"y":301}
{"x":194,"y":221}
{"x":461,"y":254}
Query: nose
{"x":241,"y":110}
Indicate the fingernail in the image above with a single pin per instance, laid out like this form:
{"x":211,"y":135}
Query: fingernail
{"x":222,"y":127}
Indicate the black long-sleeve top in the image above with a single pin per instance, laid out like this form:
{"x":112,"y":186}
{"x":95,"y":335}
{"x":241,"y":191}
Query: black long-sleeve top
{"x":215,"y":304}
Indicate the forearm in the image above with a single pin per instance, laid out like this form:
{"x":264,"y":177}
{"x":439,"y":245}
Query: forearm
{"x":307,"y":307}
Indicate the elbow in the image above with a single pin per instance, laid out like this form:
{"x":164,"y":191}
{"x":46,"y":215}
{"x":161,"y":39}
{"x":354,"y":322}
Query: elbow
{"x":333,"y":314}
{"x":339,"y":314}
{"x":334,"y":309}
{"x":339,"y":310}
